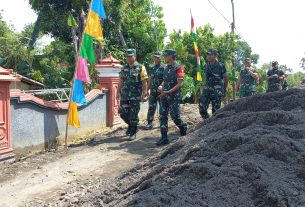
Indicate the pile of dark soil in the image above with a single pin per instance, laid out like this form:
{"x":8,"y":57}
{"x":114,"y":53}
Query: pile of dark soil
{"x":251,"y":153}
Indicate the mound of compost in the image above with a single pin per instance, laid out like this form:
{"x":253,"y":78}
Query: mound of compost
{"x":251,"y":153}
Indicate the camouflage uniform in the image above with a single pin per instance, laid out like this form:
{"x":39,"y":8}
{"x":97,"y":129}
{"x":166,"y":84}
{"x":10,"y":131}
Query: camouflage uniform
{"x":213,"y":89}
{"x":131,"y":92}
{"x":171,"y":102}
{"x":156,"y":77}
{"x":247,"y":85}
{"x":275,"y":84}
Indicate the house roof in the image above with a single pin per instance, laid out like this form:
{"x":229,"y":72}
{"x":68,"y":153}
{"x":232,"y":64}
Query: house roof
{"x":29,"y":81}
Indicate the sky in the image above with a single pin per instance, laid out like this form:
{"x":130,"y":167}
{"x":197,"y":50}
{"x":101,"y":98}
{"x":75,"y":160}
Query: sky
{"x":273,"y":28}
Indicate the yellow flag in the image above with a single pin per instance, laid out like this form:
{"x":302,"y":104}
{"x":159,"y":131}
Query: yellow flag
{"x":199,"y":77}
{"x":73,"y":119}
{"x":93,"y":26}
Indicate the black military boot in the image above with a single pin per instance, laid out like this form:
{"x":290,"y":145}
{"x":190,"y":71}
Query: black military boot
{"x":183,"y":130}
{"x":133,"y":133}
{"x":128,"y":130}
{"x":163,"y":140}
{"x":148,"y":126}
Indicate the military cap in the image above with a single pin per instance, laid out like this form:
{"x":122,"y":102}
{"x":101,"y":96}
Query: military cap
{"x":169,"y":52}
{"x":212,"y":52}
{"x":158,"y":54}
{"x":130,"y":52}
{"x":248,"y":60}
{"x":274,"y":63}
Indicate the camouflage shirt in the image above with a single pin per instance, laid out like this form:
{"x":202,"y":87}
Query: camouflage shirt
{"x":275,"y":84}
{"x":132,"y":78}
{"x":247,"y":81}
{"x":215,"y":74}
{"x":156,"y":77}
{"x":171,"y":74}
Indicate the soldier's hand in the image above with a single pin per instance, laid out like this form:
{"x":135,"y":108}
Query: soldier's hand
{"x":144,"y":97}
{"x":163,"y":94}
{"x":160,"y":88}
{"x":281,"y":78}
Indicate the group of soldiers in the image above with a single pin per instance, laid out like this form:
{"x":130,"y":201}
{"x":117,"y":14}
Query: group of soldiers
{"x":162,"y":84}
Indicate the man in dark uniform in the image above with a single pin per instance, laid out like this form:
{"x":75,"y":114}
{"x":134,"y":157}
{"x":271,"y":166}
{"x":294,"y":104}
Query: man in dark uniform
{"x":275,"y":78}
{"x":247,"y":80}
{"x":170,"y":96}
{"x":215,"y":86}
{"x":155,"y":79}
{"x":132,"y":89}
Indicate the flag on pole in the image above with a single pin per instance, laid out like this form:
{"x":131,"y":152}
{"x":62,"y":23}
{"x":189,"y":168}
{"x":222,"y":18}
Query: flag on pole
{"x":73,"y":119}
{"x":93,"y":29}
{"x":197,"y":54}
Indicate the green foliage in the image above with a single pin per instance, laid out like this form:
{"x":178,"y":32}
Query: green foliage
{"x":188,"y":88}
{"x":133,"y":24}
{"x":13,"y":49}
{"x":262,"y":86}
{"x":295,"y":79}
{"x":302,"y":63}
{"x":229,"y":47}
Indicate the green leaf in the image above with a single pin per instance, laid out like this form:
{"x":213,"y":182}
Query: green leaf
{"x":71,"y":21}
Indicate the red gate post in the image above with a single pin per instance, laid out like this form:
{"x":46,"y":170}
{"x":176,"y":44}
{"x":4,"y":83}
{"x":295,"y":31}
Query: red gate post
{"x":6,"y":149}
{"x":108,"y":73}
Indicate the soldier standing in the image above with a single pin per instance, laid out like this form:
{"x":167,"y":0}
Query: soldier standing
{"x":275,"y":78}
{"x":155,"y":80}
{"x":132,"y":89}
{"x":170,"y":96}
{"x":215,"y":85}
{"x":247,"y":80}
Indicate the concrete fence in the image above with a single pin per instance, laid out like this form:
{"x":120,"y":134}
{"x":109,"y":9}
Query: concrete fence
{"x":37,"y":124}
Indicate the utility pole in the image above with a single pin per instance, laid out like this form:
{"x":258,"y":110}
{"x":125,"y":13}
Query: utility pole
{"x":233,"y":65}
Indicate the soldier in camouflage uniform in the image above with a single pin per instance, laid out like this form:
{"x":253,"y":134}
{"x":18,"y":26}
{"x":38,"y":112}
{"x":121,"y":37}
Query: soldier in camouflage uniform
{"x":215,"y":85}
{"x":155,"y":79}
{"x":170,"y":96}
{"x":275,"y":78}
{"x":132,"y":89}
{"x":247,"y":80}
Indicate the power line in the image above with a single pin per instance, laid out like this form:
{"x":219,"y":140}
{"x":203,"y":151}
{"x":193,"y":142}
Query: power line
{"x":219,"y":12}
{"x":223,"y":16}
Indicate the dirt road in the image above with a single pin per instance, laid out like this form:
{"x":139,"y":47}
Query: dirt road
{"x":50,"y":178}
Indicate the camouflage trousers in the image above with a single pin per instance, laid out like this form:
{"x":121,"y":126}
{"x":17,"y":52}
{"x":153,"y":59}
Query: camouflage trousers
{"x":152,"y":105}
{"x":171,"y":105}
{"x":246,"y":93}
{"x":129,"y":111}
{"x":206,"y":98}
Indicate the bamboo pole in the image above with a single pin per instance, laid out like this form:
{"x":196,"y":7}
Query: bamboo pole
{"x":72,"y":86}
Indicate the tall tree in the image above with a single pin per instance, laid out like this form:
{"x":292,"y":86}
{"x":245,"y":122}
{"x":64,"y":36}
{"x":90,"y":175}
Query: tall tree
{"x":130,"y":23}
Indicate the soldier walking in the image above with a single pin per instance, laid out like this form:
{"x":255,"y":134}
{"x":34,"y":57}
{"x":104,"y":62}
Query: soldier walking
{"x":275,"y":78}
{"x":132,"y":89}
{"x":170,"y":96}
{"x":215,"y":85}
{"x":155,"y":79}
{"x":247,"y":80}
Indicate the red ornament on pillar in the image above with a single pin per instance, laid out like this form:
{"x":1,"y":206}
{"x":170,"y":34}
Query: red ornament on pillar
{"x":6,"y":78}
{"x":108,"y":73}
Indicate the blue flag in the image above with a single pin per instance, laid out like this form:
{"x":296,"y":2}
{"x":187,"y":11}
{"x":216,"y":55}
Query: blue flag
{"x":78,"y":93}
{"x":98,"y":7}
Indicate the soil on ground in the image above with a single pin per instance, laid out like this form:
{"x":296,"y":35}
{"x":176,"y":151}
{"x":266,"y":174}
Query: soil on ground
{"x":61,"y":178}
{"x":251,"y":153}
